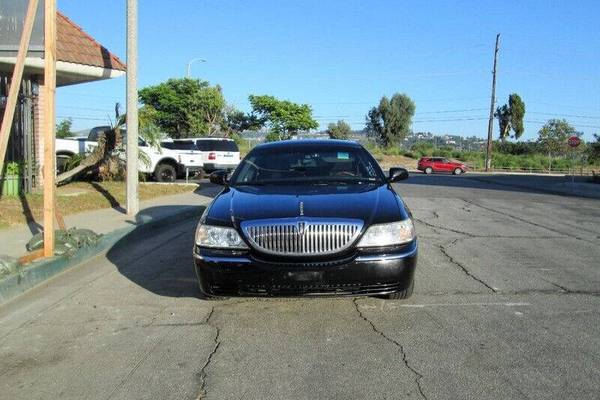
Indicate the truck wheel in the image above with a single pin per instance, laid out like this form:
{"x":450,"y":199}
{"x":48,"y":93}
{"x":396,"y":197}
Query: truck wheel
{"x":165,"y":173}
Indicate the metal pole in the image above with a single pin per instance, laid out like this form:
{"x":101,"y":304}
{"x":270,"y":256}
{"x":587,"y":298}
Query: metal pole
{"x":488,"y":154}
{"x":189,"y":66}
{"x":132,"y":109}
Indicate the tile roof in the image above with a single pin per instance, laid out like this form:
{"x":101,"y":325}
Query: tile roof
{"x":75,"y":46}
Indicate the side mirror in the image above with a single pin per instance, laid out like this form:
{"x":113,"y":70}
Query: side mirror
{"x":397,"y":174}
{"x":220,"y":177}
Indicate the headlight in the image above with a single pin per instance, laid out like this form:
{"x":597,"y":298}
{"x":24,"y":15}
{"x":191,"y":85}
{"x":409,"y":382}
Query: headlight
{"x":219,"y":237}
{"x":388,"y":234}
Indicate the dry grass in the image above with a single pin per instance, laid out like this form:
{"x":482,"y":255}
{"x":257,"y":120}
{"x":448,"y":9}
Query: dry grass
{"x":396,"y":161}
{"x":80,"y":196}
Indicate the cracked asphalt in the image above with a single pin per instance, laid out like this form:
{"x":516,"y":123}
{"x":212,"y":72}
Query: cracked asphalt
{"x":506,"y":306}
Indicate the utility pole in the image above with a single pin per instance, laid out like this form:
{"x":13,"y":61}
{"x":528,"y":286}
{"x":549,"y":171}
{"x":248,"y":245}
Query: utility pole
{"x":132,"y":109}
{"x":488,"y":153}
{"x":49,"y":121}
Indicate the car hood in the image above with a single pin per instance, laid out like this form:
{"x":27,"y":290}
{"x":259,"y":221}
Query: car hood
{"x":370,"y":203}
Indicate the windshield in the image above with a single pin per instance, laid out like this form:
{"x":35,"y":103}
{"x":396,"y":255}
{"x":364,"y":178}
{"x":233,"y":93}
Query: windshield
{"x":307,"y":164}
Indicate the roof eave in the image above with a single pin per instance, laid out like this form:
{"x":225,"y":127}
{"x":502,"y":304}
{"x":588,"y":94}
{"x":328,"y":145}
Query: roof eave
{"x":66,"y":73}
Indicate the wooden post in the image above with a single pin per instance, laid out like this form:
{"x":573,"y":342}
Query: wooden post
{"x":15,"y":82}
{"x":49,"y":120}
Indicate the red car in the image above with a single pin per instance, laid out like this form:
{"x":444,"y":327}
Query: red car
{"x":430,"y":165}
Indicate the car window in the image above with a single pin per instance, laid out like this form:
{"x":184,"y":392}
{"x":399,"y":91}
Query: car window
{"x":307,"y":163}
{"x":182,"y":145}
{"x":216,"y":145}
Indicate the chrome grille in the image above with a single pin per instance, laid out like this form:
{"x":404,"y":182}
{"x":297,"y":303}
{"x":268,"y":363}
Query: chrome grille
{"x":302,"y":236}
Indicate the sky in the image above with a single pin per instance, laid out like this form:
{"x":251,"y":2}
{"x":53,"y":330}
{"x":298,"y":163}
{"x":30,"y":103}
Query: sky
{"x":341,"y":57}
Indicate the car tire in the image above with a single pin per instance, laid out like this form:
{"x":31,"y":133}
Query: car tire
{"x":458,"y":171}
{"x":403,"y":294}
{"x":428,"y":170}
{"x":165,"y":173}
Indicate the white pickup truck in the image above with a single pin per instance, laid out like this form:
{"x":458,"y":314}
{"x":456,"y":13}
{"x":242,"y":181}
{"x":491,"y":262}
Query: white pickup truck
{"x":164,"y":164}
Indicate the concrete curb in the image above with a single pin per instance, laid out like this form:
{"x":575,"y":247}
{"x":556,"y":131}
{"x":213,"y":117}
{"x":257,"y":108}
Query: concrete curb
{"x":38,"y":272}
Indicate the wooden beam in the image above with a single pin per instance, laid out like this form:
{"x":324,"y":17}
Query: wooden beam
{"x":49,"y":121}
{"x":15,"y":82}
{"x":31,"y":257}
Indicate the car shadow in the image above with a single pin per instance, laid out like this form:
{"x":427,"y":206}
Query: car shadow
{"x":157,"y":256}
{"x":538,"y":184}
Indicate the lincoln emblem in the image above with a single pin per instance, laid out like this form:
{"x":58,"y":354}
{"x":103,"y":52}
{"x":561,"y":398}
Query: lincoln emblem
{"x":301,"y":208}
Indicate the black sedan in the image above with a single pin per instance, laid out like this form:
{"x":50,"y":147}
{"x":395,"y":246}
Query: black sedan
{"x":310,"y":218}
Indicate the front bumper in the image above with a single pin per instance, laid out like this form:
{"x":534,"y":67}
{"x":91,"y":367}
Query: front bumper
{"x":358,"y":274}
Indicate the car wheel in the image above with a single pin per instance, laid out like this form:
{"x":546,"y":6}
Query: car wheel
{"x":457,"y":171}
{"x":165,"y":173}
{"x":428,"y":170}
{"x":403,"y":294}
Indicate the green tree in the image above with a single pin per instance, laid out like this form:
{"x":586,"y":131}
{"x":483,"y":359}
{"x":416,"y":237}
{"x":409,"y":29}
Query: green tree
{"x":339,"y":130}
{"x":510,"y":117}
{"x":185,"y":107}
{"x":593,"y":150}
{"x":553,"y":137}
{"x":283,"y":118}
{"x":236,"y":121}
{"x":389,"y":123}
{"x":63,"y":128}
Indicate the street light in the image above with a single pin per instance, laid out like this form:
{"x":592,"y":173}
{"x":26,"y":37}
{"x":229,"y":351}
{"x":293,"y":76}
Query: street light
{"x":189,"y":66}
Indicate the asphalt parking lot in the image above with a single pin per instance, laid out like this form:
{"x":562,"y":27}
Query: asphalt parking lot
{"x":506,"y":305}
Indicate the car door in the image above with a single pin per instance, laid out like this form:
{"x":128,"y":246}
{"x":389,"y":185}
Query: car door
{"x":437,"y":164}
{"x":445,"y":165}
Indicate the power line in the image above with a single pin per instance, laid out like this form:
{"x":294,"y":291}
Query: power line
{"x":451,"y":111}
{"x":87,"y":109}
{"x":530,"y":121}
{"x":566,"y":115}
{"x":83,"y":118}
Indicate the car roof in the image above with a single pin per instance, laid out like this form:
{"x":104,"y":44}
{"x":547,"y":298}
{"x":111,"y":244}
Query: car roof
{"x":211,"y":138}
{"x":305,"y":142}
{"x":196,"y":138}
